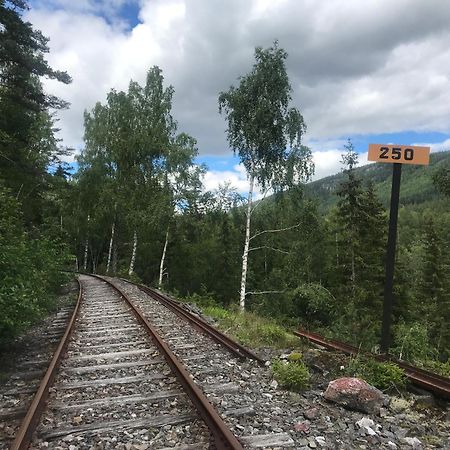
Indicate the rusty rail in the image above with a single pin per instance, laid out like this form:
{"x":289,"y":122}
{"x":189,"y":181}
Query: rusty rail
{"x":203,"y":326}
{"x":224,"y":438}
{"x":420,"y":377}
{"x":31,"y":420}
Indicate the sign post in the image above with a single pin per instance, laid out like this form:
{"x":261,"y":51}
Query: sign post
{"x":398,"y":155}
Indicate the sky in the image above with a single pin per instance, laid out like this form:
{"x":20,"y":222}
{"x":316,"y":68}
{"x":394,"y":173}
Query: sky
{"x":375,"y":71}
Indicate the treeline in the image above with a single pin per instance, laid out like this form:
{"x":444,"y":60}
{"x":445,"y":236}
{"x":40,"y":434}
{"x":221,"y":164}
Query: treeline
{"x":136,"y":207}
{"x":32,"y":238}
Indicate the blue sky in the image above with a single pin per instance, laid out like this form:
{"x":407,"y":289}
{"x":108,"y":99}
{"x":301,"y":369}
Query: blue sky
{"x":382,"y":78}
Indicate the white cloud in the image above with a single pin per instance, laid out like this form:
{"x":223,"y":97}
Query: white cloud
{"x":237,"y":177}
{"x":356,"y":67}
{"x":326,"y":163}
{"x":437,"y":146}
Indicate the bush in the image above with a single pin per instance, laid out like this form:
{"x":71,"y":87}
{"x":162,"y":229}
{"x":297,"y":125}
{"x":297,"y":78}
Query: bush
{"x":314,"y":303}
{"x":292,"y":375}
{"x":411,"y":342}
{"x":29,"y":271}
{"x":383,"y":375}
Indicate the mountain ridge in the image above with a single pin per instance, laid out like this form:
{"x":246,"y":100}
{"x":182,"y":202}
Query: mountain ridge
{"x":416,"y":184}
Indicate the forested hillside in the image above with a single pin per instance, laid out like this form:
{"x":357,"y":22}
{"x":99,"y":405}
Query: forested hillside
{"x":417,"y":182}
{"x":312,"y":254}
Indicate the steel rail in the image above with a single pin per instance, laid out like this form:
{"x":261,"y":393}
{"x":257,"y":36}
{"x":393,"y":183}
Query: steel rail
{"x":203,"y":326}
{"x":420,"y":377}
{"x":24,"y":434}
{"x":224,"y":438}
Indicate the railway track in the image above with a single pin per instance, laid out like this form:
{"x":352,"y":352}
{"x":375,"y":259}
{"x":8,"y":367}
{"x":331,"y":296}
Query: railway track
{"x":130,"y":371}
{"x":423,"y":378}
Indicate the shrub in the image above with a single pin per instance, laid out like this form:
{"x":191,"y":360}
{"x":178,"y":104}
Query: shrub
{"x":411,"y":342}
{"x":383,"y":375}
{"x":291,"y":375}
{"x":314,"y":303}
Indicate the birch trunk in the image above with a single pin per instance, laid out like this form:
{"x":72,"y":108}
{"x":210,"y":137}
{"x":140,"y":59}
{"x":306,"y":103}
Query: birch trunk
{"x":163,"y":259}
{"x":133,"y":254}
{"x":111,"y":242}
{"x":86,"y":245}
{"x":246,"y":244}
{"x":114,"y":258}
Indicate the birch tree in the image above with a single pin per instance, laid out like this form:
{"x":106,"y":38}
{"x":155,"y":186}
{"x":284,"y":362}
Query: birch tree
{"x":266,"y":134}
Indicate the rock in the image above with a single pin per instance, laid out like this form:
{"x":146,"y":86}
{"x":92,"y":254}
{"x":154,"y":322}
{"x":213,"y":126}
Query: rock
{"x":413,"y":442}
{"x":302,"y":427}
{"x":354,"y":393}
{"x":321,"y":441}
{"x":311,"y":413}
{"x":391,"y":445}
{"x":365,"y":422}
{"x":274,"y":384}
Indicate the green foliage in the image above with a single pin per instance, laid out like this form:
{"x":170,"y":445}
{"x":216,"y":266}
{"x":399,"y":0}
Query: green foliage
{"x":292,"y":375}
{"x":295,"y":357}
{"x":383,"y":375}
{"x":441,"y":179}
{"x":441,"y":368}
{"x":29,"y":271}
{"x":313,"y":304}
{"x":27,"y":142}
{"x":252,"y":330}
{"x":412,"y":342}
{"x":262,"y":128}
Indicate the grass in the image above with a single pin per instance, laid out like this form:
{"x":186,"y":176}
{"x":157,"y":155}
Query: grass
{"x":252,"y":330}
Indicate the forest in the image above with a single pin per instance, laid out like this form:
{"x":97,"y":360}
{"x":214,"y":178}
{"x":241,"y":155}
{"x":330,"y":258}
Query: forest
{"x":309,"y":254}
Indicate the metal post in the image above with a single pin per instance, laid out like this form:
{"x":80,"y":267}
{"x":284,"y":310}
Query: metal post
{"x":390,"y":258}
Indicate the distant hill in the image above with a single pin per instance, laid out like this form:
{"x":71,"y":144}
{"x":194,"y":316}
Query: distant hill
{"x":416,"y":186}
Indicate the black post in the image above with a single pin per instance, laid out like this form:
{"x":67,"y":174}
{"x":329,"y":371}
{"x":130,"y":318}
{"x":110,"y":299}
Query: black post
{"x":390,"y":258}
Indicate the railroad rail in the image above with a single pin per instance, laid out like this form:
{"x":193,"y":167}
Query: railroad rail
{"x":110,"y":317}
{"x":423,"y":378}
{"x":177,"y":307}
{"x":129,"y":369}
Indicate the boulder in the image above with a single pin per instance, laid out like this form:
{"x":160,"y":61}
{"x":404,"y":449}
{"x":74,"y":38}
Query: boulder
{"x":356,"y":394}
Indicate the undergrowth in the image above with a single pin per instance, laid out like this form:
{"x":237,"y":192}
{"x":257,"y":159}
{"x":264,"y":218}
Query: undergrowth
{"x":291,"y":374}
{"x":248,"y":328}
{"x":383,"y":375}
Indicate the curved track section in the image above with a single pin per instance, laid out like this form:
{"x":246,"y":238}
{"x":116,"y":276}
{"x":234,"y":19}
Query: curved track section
{"x":114,"y":386}
{"x":234,"y":347}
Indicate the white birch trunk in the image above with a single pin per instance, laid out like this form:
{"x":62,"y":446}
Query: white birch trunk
{"x":246,"y":244}
{"x":86,"y":245}
{"x":133,"y":254}
{"x":163,"y":259}
{"x":111,"y":242}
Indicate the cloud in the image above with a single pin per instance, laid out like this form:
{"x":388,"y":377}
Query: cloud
{"x":437,"y":146}
{"x":236,"y":177}
{"x":355,"y":67}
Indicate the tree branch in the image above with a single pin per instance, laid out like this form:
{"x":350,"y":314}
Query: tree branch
{"x":264,"y":195}
{"x":269,"y":248}
{"x":264,"y":292}
{"x":274,"y":231}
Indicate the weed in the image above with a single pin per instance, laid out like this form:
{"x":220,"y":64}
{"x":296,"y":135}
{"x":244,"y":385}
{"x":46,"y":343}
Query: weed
{"x":383,"y":375}
{"x":295,"y":357}
{"x":291,"y":375}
